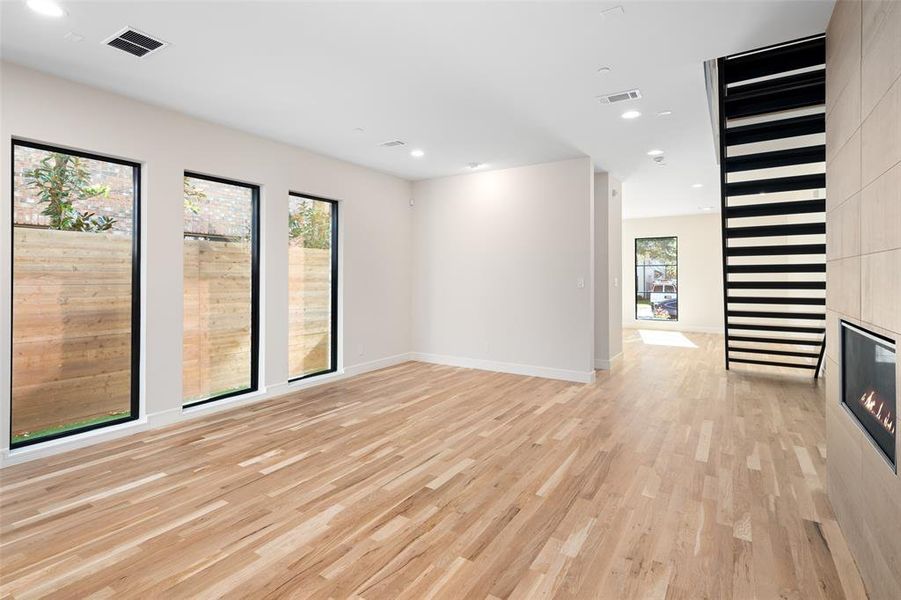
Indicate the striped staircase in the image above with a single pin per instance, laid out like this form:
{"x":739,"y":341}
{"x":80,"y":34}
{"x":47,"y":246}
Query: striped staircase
{"x":771,"y":105}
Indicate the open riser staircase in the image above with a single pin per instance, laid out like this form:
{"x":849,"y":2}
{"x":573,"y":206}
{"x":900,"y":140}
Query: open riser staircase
{"x":771,"y":105}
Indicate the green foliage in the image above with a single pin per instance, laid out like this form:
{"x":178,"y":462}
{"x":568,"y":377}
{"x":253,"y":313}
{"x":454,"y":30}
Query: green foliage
{"x":60,"y":181}
{"x":656,"y":251}
{"x":193,"y":197}
{"x":310,"y":226}
{"x":88,"y":221}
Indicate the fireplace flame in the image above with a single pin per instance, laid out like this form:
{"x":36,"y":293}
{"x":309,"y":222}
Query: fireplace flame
{"x":875,"y":405}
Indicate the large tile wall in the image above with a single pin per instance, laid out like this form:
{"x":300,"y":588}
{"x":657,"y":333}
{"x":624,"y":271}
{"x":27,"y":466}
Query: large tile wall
{"x":863,"y":178}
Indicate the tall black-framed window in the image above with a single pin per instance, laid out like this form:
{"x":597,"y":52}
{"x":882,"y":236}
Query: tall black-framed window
{"x":76,"y":301}
{"x":221,"y":288}
{"x":312,"y":286}
{"x":657,"y":279}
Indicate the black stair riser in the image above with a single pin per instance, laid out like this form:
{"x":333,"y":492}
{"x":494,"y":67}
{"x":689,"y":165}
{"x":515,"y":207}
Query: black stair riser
{"x":805,"y":268}
{"x":753,"y":314}
{"x":778,"y":328}
{"x":780,"y":250}
{"x":776,"y":130}
{"x":776,"y":159}
{"x":776,"y":184}
{"x":776,"y":230}
{"x":774,"y":352}
{"x":771,"y":209}
{"x":776,"y":85}
{"x":766,"y":300}
{"x":771,"y":363}
{"x":747,"y":338}
{"x":776,"y":285}
{"x":801,"y":97}
{"x":776,"y":60}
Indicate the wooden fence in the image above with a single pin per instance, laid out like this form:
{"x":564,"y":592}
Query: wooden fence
{"x":71,"y":327}
{"x":72,"y":322}
{"x":216,"y":343}
{"x":309,"y":310}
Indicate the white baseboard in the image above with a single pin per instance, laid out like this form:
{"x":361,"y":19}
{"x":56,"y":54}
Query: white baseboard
{"x":606,"y":364}
{"x":67,"y":444}
{"x":289,"y":387}
{"x":375,"y":365}
{"x":176,"y":415}
{"x":504,"y":367}
{"x":227,"y":403}
{"x":165,"y":417}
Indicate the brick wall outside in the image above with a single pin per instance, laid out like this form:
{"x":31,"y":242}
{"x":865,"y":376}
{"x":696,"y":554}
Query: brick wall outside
{"x":226,"y":210}
{"x":118,"y":205}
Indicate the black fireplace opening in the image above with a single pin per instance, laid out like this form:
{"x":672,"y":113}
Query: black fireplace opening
{"x":868,"y":384}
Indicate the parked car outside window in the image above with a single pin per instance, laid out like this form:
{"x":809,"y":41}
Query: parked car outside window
{"x":662,"y":291}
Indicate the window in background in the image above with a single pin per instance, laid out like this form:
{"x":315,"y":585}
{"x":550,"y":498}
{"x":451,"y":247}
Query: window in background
{"x":657,"y":279}
{"x":75,"y":292}
{"x":312,"y":285}
{"x":221,"y":278}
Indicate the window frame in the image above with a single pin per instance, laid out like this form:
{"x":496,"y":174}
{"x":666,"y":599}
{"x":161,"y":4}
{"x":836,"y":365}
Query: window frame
{"x":333,"y":350}
{"x":254,"y":289}
{"x":675,"y":238}
{"x":135,"y":374}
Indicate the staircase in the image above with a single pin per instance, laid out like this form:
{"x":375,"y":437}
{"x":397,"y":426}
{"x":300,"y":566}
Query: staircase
{"x":772,"y":153}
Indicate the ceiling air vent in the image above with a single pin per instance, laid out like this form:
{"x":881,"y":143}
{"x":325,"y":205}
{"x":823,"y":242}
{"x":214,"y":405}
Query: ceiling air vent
{"x":620,"y":97}
{"x":134,"y":42}
{"x":392,"y":144}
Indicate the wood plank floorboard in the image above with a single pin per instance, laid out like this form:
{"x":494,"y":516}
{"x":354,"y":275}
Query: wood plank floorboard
{"x":668,"y":478}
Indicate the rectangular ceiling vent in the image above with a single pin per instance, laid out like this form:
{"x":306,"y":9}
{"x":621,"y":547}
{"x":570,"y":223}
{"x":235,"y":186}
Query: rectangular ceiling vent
{"x":620,"y":97}
{"x":135,"y":43}
{"x":392,"y":144}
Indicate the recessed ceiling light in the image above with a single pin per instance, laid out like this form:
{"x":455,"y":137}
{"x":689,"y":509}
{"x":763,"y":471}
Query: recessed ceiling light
{"x":655,"y":152}
{"x":48,"y":8}
{"x":475,"y":165}
{"x":631,"y":114}
{"x":697,"y":185}
{"x":603,"y":70}
{"x":664,"y":113}
{"x":73,"y":37}
{"x":417,"y":153}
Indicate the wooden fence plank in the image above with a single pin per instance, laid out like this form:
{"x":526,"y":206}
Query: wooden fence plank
{"x":72,"y":322}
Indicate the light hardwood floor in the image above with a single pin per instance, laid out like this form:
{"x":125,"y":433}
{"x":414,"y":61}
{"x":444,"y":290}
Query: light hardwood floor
{"x":668,"y":478}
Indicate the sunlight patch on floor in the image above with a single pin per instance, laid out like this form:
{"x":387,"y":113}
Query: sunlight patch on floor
{"x":665,"y":338}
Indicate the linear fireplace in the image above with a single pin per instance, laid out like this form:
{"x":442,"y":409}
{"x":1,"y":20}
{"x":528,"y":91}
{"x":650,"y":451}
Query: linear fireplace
{"x":868,"y":384}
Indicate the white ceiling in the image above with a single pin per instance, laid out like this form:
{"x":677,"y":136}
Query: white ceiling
{"x":504,"y":83}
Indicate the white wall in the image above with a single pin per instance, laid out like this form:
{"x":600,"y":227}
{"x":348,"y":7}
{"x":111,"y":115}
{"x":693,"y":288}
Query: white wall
{"x":615,"y":260}
{"x":700,"y":270}
{"x":608,"y":266}
{"x":375,"y":222}
{"x":497,"y":258}
{"x":485,"y":268}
